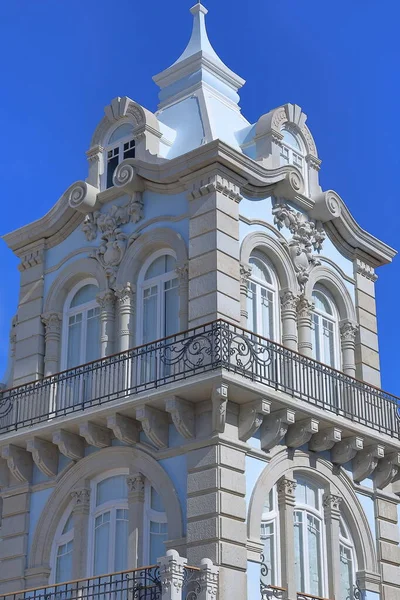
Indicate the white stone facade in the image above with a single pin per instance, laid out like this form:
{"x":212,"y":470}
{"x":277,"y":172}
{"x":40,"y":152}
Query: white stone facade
{"x":195,"y":365}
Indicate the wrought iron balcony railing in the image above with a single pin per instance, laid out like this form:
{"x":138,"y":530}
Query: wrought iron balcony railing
{"x":216,"y":345}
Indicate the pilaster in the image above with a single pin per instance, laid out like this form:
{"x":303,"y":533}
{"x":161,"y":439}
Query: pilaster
{"x":81,"y":509}
{"x":136,"y":483}
{"x":286,"y":503}
{"x":289,"y":302}
{"x":216,"y":514}
{"x":14,"y":538}
{"x":52,"y":322}
{"x":388,"y":539}
{"x":332,"y":519}
{"x":214,"y":273}
{"x":348,"y":331}
{"x":106,"y":301}
{"x":304,"y":311}
{"x":183,"y":274}
{"x":126,"y":310}
{"x":366,"y":348}
{"x":245,"y":274}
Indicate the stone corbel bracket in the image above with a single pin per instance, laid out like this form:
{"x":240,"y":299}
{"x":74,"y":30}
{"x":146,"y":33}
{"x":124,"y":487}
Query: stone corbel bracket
{"x":45,"y":455}
{"x":346,"y":450}
{"x":19,"y":461}
{"x":82,"y":197}
{"x":155,"y":425}
{"x":182,"y":414}
{"x":275,"y":426}
{"x":69,"y":444}
{"x":387,"y":470}
{"x":251,"y":416}
{"x":325,"y":439}
{"x":366,"y":461}
{"x":95,"y":435}
{"x":126,"y":177}
{"x":126,"y":430}
{"x":219,"y":400}
{"x":300,"y":433}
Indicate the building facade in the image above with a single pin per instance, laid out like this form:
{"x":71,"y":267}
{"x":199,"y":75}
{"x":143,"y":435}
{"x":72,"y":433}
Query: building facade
{"x":194,"y":367}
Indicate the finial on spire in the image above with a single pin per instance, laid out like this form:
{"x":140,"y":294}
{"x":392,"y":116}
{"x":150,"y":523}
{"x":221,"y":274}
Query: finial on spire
{"x":199,"y":41}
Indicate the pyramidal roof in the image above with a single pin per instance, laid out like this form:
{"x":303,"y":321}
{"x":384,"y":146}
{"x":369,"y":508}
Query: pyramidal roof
{"x":198,"y":64}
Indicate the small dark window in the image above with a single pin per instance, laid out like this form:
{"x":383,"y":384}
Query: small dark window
{"x":129,"y":149}
{"x":112,"y":164}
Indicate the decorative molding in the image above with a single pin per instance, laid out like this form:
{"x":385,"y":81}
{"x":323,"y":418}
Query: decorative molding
{"x":82,"y":196}
{"x":209,"y":579}
{"x":69,"y":444}
{"x":52,"y":322}
{"x":94,"y":154}
{"x":289,"y":301}
{"x":155,"y":425}
{"x":182,"y":414}
{"x":106,"y":301}
{"x":183,"y":273}
{"x":366,"y":461}
{"x":332,"y":502}
{"x":215,"y":183}
{"x":44,"y":454}
{"x":95,"y":435}
{"x":348,"y":331}
{"x":219,"y":400}
{"x":307,"y":235}
{"x":344,"y":451}
{"x":251,"y":416}
{"x":364,"y":269}
{"x":300,"y":433}
{"x":274,"y":428}
{"x":172,"y":573}
{"x":286,"y":488}
{"x":245,"y":274}
{"x":81,"y":498}
{"x":125,"y":429}
{"x":31,"y":259}
{"x":136,"y":486}
{"x":304,"y":307}
{"x":386,"y":470}
{"x":325,"y":439}
{"x":19,"y":461}
{"x":125,"y":295}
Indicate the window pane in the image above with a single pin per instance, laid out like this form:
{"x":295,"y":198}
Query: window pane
{"x":329,"y":348}
{"x":299,"y":551}
{"x":69,"y":524}
{"x":156,"y":501}
{"x":316,"y":348}
{"x":121,"y":132}
{"x":321,"y":302}
{"x":267,"y":313}
{"x":121,"y":541}
{"x":93,"y":335}
{"x":150,"y":307}
{"x":85,"y":294}
{"x":290,"y":139}
{"x":74,"y":342}
{"x":268,"y":572}
{"x":346,"y":573}
{"x":129,"y":149}
{"x":160,"y":266}
{"x":259,"y":270}
{"x":64,"y":563}
{"x":314,"y":555}
{"x":112,"y":164}
{"x":101,"y":544}
{"x":113,"y":488}
{"x":158,"y":536}
{"x":252,"y":307}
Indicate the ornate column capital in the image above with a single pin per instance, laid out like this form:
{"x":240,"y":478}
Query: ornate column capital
{"x":182,"y":272}
{"x":94,"y":153}
{"x":304,"y":307}
{"x":106,"y":301}
{"x":125,"y":295}
{"x":348,"y":331}
{"x":331,"y":503}
{"x":286,"y":490}
{"x":81,"y":499}
{"x":52,"y":322}
{"x":289,"y":301}
{"x":136,"y":484}
{"x":245,"y":274}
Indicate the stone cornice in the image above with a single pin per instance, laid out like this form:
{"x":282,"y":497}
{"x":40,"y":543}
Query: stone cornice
{"x":173,"y":177}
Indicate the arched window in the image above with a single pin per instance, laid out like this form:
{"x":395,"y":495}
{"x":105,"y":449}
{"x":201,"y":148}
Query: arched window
{"x":158,"y":316}
{"x":291,"y":150}
{"x":325,"y":328}
{"x":81,"y":334}
{"x":156,"y":526}
{"x":309,"y":539}
{"x":63,"y":550}
{"x":262,"y":298}
{"x":347,"y":562}
{"x":121,"y":145}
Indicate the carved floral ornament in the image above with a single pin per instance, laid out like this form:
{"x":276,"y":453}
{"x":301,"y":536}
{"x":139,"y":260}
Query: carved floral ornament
{"x":307,"y":238}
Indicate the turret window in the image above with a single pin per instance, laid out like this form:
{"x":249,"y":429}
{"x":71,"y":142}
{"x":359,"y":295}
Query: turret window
{"x":120,"y":147}
{"x":291,"y":152}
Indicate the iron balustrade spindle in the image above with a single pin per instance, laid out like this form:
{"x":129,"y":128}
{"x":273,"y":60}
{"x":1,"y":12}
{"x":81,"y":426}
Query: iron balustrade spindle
{"x":216,"y":345}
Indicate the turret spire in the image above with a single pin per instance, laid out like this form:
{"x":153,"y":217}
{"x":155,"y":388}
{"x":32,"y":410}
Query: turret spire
{"x":199,"y":41}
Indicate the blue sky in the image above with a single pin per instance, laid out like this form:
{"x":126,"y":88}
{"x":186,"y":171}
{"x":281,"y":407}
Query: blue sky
{"x":64,"y":60}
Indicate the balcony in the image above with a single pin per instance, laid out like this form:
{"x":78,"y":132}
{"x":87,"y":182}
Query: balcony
{"x":218,"y":345}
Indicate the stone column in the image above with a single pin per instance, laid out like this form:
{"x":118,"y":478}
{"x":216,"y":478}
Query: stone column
{"x":106,"y":301}
{"x":304,"y":310}
{"x":126,"y":308}
{"x":216,"y":514}
{"x":289,"y":303}
{"x":135,"y":482}
{"x":367,"y":350}
{"x":80,"y":513}
{"x":348,"y":331}
{"x":332,"y":519}
{"x":14,"y":539}
{"x":183,"y":273}
{"x":245,"y":274}
{"x":388,"y":538}
{"x":286,"y":503}
{"x":214,"y":277}
{"x":52,"y":323}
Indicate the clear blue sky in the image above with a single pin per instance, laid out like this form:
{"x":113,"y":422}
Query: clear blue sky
{"x":62,"y":61}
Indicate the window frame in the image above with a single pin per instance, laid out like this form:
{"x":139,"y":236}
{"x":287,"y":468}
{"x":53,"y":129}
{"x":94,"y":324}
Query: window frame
{"x":159,"y":281}
{"x":332,"y":318}
{"x":113,"y":146}
{"x":69,"y":312}
{"x":150,"y":515}
{"x":270,"y":287}
{"x":59,"y":540}
{"x":273,"y":518}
